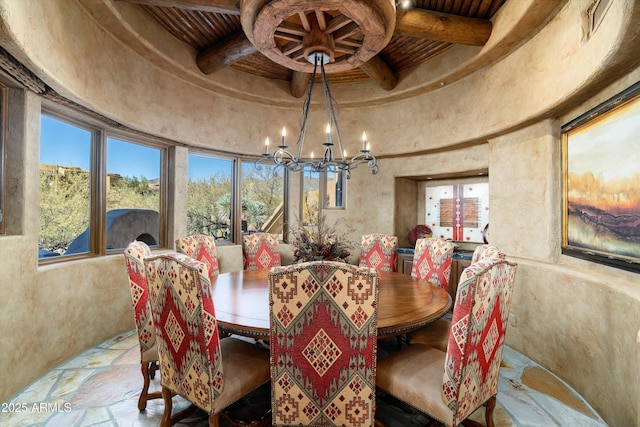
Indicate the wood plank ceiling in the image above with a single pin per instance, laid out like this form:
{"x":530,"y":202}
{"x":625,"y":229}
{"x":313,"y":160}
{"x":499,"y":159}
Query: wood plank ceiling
{"x":421,"y":31}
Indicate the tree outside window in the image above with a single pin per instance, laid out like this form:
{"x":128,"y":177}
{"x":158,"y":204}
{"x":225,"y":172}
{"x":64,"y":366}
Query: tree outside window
{"x":209,"y":196}
{"x":262,"y":199}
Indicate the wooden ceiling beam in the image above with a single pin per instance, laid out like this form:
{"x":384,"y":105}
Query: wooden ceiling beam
{"x":337,"y":23}
{"x":228,"y":7}
{"x":299,"y":84}
{"x":379,"y":71}
{"x":443,"y":27}
{"x":289,"y":28}
{"x":226,"y":52}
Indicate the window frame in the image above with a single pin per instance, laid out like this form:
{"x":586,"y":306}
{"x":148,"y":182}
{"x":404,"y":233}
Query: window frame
{"x":4,"y":111}
{"x":323,"y":192}
{"x":163,"y":180}
{"x":235,"y":224}
{"x":324,"y":189}
{"x":101,"y":130}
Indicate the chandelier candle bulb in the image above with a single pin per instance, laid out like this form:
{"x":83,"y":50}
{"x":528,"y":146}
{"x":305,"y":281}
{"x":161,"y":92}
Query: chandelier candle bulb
{"x":266,"y":146}
{"x":328,"y":132}
{"x":364,"y":141}
{"x":368,"y":148}
{"x":284,"y":133}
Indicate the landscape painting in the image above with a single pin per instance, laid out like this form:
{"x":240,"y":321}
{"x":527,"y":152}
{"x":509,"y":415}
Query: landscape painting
{"x":601,"y":183}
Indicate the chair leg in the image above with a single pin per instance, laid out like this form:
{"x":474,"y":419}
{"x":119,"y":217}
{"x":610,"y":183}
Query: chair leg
{"x":488,"y":411}
{"x":214,"y":420}
{"x":168,"y":406}
{"x":148,"y":370}
{"x":142,"y":401}
{"x":153,"y":368}
{"x":262,"y":422}
{"x":167,"y":418}
{"x":378,"y":423}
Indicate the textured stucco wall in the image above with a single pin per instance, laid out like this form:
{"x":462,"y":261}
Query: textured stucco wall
{"x":577,"y":318}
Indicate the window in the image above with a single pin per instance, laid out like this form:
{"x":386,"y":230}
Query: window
{"x":262,"y":198}
{"x":133,"y":193}
{"x":335,"y":185}
{"x":310,"y":198}
{"x":209,"y":196}
{"x":97,"y":192}
{"x":65,"y":188}
{"x":328,"y":187}
{"x":3,"y":113}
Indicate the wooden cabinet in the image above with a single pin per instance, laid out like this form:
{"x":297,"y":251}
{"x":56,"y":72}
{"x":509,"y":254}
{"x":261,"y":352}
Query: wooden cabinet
{"x":457,"y":267}
{"x":405,"y":261}
{"x":458,"y":264}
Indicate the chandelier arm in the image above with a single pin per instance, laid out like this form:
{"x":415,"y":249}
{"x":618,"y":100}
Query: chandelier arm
{"x":364,"y":157}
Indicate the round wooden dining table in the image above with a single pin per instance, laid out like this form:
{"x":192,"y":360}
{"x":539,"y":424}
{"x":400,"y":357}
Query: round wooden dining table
{"x":241,"y":301}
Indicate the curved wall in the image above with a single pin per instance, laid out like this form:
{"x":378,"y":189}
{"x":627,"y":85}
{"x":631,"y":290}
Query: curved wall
{"x":576,"y":318}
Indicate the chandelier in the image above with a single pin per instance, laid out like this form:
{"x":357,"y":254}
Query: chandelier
{"x":329,"y":162}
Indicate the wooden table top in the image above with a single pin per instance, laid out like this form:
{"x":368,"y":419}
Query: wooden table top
{"x":241,"y":301}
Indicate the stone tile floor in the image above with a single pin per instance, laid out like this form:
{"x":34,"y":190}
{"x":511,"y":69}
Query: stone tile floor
{"x":100,"y":387}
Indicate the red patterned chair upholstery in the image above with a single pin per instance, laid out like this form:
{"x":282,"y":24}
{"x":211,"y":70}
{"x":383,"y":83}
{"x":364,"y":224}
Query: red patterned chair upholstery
{"x":202,"y":248}
{"x":436,"y":334}
{"x":432,"y":261}
{"x":451,"y":386}
{"x":260,"y":250}
{"x":486,"y":251}
{"x":380,"y":252}
{"x":195,"y":363}
{"x":134,"y":256}
{"x":323,"y":344}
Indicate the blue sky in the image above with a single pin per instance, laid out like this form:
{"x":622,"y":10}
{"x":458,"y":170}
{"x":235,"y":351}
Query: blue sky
{"x":67,"y":145}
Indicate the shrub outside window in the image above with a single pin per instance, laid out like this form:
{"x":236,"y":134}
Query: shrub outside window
{"x":262,"y":199}
{"x":209,"y":196}
{"x":65,"y":187}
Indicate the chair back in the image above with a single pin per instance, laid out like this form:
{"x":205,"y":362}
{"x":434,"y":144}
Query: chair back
{"x":202,"y":248}
{"x":476,"y":340}
{"x":432,"y":261}
{"x":486,"y":251}
{"x":134,"y":256}
{"x":380,"y":252}
{"x":323,"y":319}
{"x":260,"y":250}
{"x":186,"y":328}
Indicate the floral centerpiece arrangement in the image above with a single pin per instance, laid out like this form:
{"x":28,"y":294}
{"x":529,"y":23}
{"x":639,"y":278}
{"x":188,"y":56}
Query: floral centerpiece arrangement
{"x":320,"y":241}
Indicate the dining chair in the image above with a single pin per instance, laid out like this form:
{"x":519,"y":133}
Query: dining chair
{"x":449,"y":386}
{"x":436,"y":334}
{"x":202,"y":248}
{"x":260,"y":250}
{"x":486,"y":251}
{"x":195,"y":363}
{"x":432,"y":259}
{"x":134,"y":256}
{"x":380,"y":252}
{"x":323,"y":321}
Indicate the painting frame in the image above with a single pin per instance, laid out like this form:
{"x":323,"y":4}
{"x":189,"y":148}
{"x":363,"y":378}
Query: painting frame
{"x":601,"y":183}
